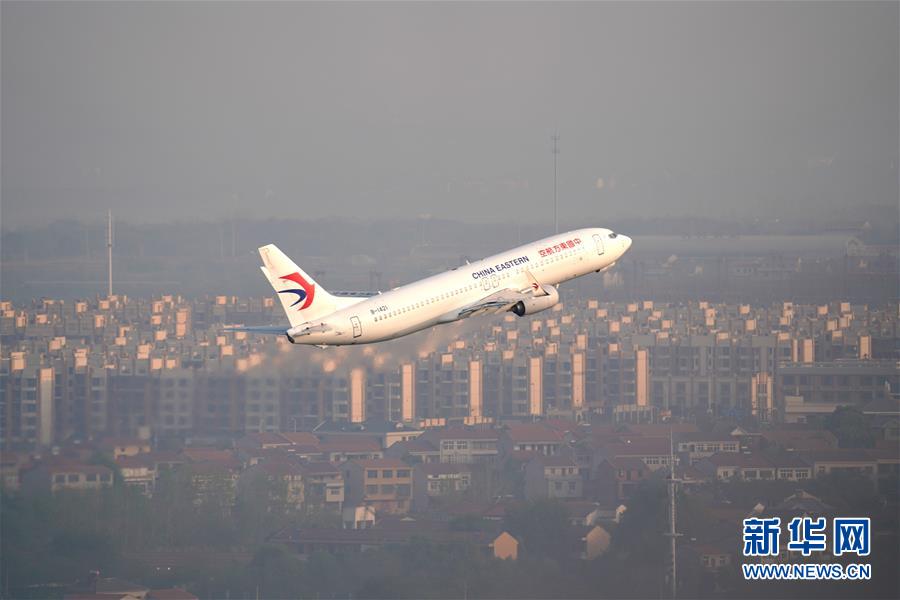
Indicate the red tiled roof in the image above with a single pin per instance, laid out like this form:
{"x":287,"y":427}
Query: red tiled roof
{"x":381,"y":463}
{"x":300,"y":438}
{"x":563,"y":425}
{"x":661,"y":431}
{"x":704,"y":437}
{"x":265,"y":438}
{"x":460,"y":433}
{"x":799,"y":439}
{"x":640,"y":447}
{"x":207,"y":454}
{"x":350,"y":443}
{"x":279,"y":468}
{"x":533,"y":433}
{"x":165,"y":456}
{"x":840,"y":455}
{"x":113,"y":442}
{"x":320,"y":468}
{"x":737,"y":459}
{"x":415,"y":445}
{"x":214,"y":468}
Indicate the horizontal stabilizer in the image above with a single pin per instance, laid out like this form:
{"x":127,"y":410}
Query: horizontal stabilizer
{"x":271,"y":329}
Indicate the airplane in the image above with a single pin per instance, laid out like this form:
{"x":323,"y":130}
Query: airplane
{"x":523,"y":281}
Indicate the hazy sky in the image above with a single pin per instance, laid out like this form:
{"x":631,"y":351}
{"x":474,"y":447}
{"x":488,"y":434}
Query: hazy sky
{"x":205,"y":110}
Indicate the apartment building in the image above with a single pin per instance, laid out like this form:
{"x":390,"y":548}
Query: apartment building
{"x":385,"y":484}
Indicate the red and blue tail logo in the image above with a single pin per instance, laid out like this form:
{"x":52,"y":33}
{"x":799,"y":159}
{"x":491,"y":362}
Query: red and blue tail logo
{"x":306,"y":291}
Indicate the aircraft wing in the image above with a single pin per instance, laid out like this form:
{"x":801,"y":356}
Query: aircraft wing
{"x":495,"y":303}
{"x":273,"y":329}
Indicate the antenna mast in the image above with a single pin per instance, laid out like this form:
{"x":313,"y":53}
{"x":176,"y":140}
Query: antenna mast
{"x":672,"y":534}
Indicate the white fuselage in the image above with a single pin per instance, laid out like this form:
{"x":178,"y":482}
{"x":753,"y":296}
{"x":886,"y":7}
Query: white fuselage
{"x":437,"y":299}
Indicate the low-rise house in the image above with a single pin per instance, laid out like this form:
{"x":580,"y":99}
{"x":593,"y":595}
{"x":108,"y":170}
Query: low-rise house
{"x":11,"y":465}
{"x":164,"y":461}
{"x":117,"y":447}
{"x":504,"y":547}
{"x":887,"y":464}
{"x":385,"y":484}
{"x":214,"y":482}
{"x":847,"y":460}
{"x":57,"y":476}
{"x":358,"y":517}
{"x":388,"y":432}
{"x":654,"y":452}
{"x":533,"y":437}
{"x":287,"y":474}
{"x":433,"y":480}
{"x":725,"y":466}
{"x":323,"y":486}
{"x":265,"y":440}
{"x":589,"y":541}
{"x":419,"y":450}
{"x":791,"y":466}
{"x":713,"y":556}
{"x":553,"y":477}
{"x":464,"y":445}
{"x":95,"y":587}
{"x":700,"y":445}
{"x":337,"y":448}
{"x":622,"y":475}
{"x":138,"y":471}
{"x":256,"y":446}
{"x":799,"y":439}
{"x":583,"y":512}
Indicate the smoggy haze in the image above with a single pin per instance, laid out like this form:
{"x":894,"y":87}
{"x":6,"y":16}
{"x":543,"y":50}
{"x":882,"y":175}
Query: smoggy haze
{"x":208,"y":110}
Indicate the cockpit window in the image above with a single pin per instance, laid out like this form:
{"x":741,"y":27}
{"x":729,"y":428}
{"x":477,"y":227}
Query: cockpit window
{"x":613,"y":235}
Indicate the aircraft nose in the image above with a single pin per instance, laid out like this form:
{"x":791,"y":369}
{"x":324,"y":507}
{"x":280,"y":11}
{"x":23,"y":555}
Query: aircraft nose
{"x":626,"y":242}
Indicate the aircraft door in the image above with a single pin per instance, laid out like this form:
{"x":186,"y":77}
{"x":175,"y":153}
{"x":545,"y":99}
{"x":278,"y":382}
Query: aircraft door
{"x":357,"y":328}
{"x":495,"y":281}
{"x":598,"y":241}
{"x":485,"y":283}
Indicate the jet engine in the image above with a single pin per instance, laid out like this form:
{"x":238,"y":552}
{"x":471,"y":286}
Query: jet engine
{"x":537,"y":303}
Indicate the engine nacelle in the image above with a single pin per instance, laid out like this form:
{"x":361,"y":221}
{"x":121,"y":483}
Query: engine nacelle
{"x":537,"y":303}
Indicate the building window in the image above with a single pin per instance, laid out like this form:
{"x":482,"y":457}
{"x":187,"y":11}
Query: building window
{"x":402,"y":473}
{"x":388,"y":473}
{"x":372,"y":474}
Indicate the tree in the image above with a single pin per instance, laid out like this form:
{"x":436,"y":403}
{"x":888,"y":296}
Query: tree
{"x":542,"y":526}
{"x":851,"y":427}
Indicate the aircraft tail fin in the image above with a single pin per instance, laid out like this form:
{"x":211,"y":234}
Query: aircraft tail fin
{"x":301,"y":297}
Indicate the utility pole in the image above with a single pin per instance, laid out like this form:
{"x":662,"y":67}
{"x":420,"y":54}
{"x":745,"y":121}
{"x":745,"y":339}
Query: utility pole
{"x":672,"y":533}
{"x":109,"y":247}
{"x":555,"y":139}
